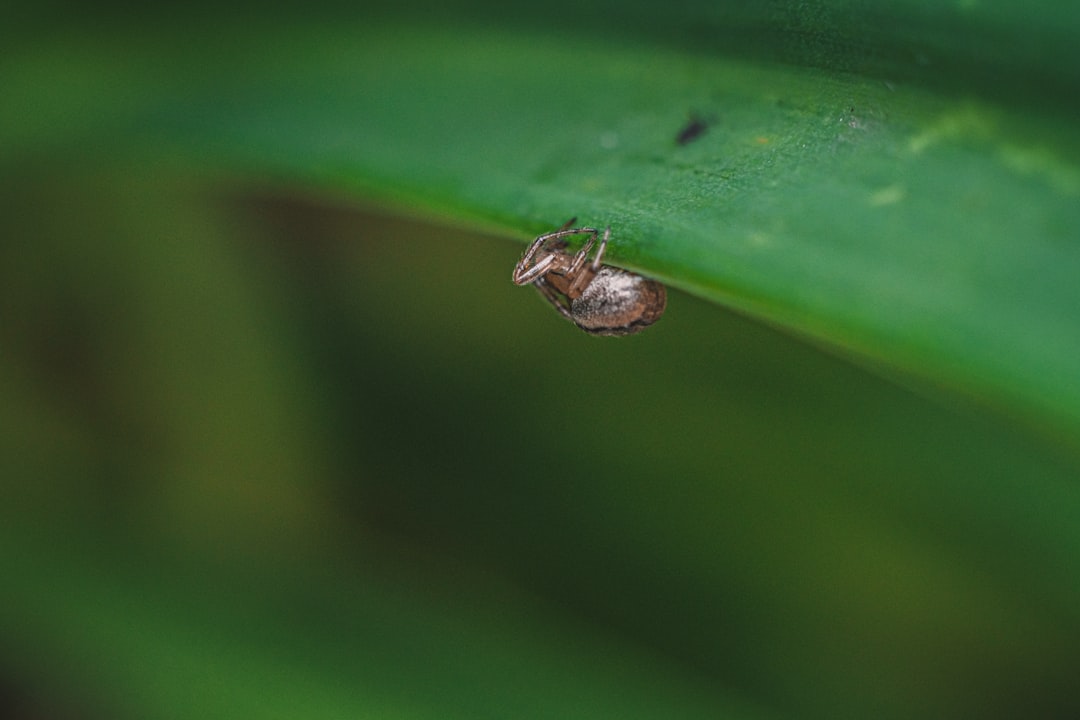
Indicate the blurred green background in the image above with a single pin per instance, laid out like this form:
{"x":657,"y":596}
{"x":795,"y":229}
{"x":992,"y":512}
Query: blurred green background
{"x":270,"y":451}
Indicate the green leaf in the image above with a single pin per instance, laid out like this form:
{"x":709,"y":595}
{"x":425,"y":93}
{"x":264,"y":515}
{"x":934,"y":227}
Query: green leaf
{"x":905,"y":185}
{"x":315,"y":462}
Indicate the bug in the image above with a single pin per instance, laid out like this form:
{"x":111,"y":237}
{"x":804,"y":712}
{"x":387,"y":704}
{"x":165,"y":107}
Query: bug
{"x":599,"y":299}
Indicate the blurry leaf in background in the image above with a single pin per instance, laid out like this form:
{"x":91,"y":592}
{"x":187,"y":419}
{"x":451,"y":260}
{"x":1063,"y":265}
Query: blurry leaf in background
{"x":314,"y":462}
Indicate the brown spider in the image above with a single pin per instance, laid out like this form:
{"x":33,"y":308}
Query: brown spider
{"x":599,"y":299}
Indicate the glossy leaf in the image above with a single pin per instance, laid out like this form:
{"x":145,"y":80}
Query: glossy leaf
{"x":902,"y":183}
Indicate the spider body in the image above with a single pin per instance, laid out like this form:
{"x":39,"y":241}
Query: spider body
{"x":599,"y":299}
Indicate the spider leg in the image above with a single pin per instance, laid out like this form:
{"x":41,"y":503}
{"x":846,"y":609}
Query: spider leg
{"x":558,"y":236}
{"x":569,"y":232}
{"x":580,"y":277}
{"x":582,"y":255}
{"x":526,"y":271}
{"x":600,"y":250}
{"x":553,"y":297}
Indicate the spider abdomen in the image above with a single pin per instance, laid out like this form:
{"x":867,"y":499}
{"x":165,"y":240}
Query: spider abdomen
{"x":618,"y":302}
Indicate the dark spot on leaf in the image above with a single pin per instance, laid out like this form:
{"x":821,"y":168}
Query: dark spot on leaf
{"x":692,"y":131}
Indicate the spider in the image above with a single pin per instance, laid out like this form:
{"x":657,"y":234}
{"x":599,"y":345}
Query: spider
{"x":599,"y":299}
